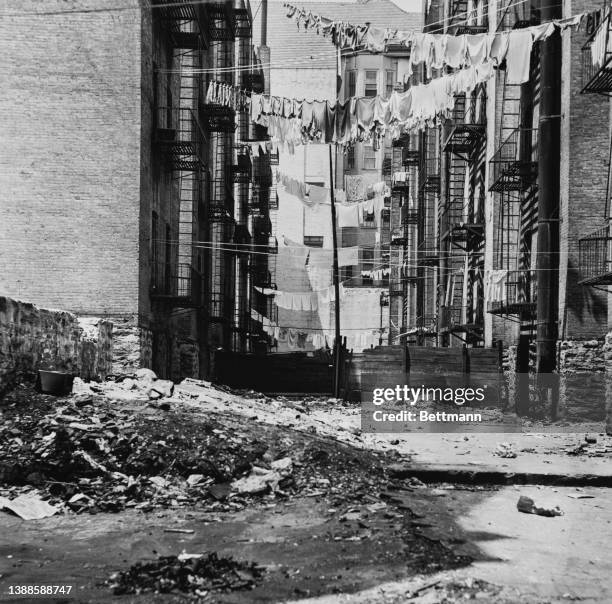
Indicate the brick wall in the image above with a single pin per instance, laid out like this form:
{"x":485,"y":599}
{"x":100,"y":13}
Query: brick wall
{"x":584,"y":169}
{"x":69,"y":167}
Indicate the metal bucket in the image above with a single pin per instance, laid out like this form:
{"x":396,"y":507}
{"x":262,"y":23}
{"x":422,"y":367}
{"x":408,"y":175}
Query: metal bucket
{"x":55,"y":382}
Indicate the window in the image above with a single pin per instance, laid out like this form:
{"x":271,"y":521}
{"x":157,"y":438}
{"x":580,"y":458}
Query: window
{"x":155,"y":248}
{"x":367,"y":264}
{"x":367,"y":218}
{"x":168,"y":259}
{"x":313,"y":240}
{"x":346,"y":274}
{"x":369,"y":157}
{"x":352,"y":83}
{"x":389,"y":82}
{"x":169,"y":123}
{"x":371,"y":83}
{"x":350,"y":158}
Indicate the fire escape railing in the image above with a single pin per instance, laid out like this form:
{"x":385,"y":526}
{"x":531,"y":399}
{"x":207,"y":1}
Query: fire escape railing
{"x":597,"y":59}
{"x":517,"y":295}
{"x":178,"y":285}
{"x":595,"y":258}
{"x":515,"y":165}
{"x":179,"y":133}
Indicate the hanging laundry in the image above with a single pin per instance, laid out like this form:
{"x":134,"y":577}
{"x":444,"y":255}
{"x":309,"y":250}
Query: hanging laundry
{"x":348,"y":256}
{"x":495,"y":285}
{"x":347,"y":216}
{"x":518,"y":58}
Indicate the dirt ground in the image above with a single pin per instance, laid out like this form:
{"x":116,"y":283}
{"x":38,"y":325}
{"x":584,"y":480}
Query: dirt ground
{"x":339,"y":528}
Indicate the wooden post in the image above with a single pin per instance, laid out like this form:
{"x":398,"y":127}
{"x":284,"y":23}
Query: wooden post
{"x":336,"y":280}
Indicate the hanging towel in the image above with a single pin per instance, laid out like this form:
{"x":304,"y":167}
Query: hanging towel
{"x":348,"y":256}
{"x":518,"y":58}
{"x":347,"y":216}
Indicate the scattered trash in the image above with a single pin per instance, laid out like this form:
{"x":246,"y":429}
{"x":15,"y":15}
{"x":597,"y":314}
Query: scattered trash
{"x":28,"y":507}
{"x":179,"y":530}
{"x":197,"y":574}
{"x":577,"y":450}
{"x":258,"y":482}
{"x":528,"y":506}
{"x":505,"y":450}
{"x":580,"y":496}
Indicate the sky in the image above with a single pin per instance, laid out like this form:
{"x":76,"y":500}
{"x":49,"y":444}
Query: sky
{"x":410,"y":6}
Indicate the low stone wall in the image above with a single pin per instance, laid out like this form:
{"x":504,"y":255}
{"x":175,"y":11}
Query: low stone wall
{"x":585,"y":370}
{"x":33,"y":338}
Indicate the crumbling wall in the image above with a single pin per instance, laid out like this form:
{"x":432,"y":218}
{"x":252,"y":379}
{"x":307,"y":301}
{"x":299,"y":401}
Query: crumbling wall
{"x":585,"y":369}
{"x":96,"y":348}
{"x":33,"y":338}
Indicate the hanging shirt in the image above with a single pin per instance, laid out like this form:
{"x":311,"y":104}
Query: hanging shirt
{"x":477,"y":48}
{"x":455,"y":51}
{"x":499,"y":47}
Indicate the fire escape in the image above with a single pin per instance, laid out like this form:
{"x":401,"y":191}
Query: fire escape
{"x":241,"y":174}
{"x":428,"y":254}
{"x":176,"y":279}
{"x":260,"y":214}
{"x":219,"y":121}
{"x":400,"y":173}
{"x":461,"y":221}
{"x":595,"y":250}
{"x":513,"y":179}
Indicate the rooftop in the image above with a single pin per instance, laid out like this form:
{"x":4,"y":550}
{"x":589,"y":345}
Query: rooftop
{"x":291,"y":47}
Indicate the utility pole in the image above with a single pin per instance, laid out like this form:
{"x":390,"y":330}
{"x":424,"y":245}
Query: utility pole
{"x":264,"y":22}
{"x":336,"y":279}
{"x":549,"y":189}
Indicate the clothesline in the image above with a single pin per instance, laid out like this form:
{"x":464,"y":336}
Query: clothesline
{"x":314,"y":195}
{"x":348,"y":214}
{"x":435,"y":50}
{"x":316,"y":257}
{"x":293,"y":122}
{"x":296,"y":338}
{"x":302,"y":301}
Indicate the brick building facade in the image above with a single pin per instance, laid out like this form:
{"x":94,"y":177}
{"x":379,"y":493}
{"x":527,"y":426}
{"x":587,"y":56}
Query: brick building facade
{"x":505,"y":237}
{"x":107,"y":172}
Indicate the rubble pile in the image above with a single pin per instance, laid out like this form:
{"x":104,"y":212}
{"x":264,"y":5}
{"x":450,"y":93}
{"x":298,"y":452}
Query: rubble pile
{"x":91,"y":455}
{"x":93,"y":452}
{"x":198,"y":574}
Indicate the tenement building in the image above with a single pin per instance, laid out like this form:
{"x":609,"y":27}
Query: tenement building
{"x":519,"y":239}
{"x":305,"y":65}
{"x":128,"y":191}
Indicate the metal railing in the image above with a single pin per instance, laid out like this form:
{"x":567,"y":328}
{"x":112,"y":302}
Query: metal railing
{"x":185,"y":21}
{"x":452,"y":317}
{"x":177,"y":284}
{"x":179,"y":132}
{"x":515,"y":165}
{"x":597,"y":59}
{"x":595,"y":257}
{"x":459,"y":211}
{"x":518,"y":293}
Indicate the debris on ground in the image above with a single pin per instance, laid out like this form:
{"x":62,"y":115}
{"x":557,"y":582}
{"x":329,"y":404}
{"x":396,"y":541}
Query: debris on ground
{"x":528,"y":506}
{"x":505,"y":450}
{"x":89,"y":453}
{"x":469,"y":589}
{"x":29,"y":506}
{"x":198,"y":574}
